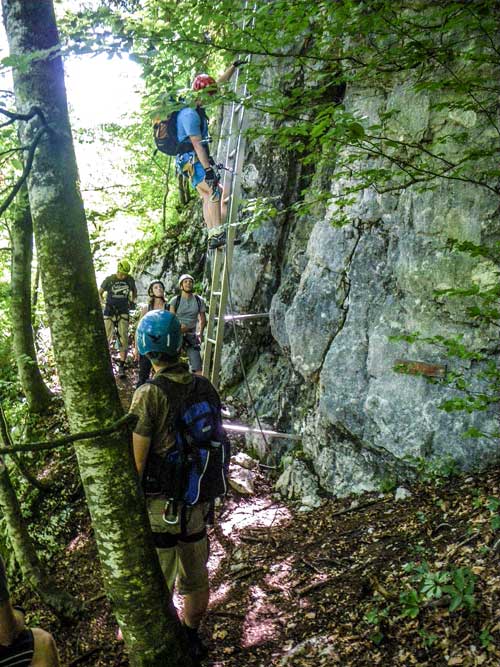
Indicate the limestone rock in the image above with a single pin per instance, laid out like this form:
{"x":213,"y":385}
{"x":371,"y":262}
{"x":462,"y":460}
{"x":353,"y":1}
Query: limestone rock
{"x":402,"y":493}
{"x":297,"y":482}
{"x":241,"y":480}
{"x":244,"y":461}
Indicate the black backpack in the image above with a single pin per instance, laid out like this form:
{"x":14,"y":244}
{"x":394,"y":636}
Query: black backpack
{"x":165,"y":134}
{"x":194,"y":470}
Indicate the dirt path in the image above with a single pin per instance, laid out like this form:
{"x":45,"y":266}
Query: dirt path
{"x":328,"y":587}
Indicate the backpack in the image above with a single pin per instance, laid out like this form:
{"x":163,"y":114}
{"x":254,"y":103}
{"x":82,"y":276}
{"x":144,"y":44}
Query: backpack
{"x":165,"y":134}
{"x":194,"y":470}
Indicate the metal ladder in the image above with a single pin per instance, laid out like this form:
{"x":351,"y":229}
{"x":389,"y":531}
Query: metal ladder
{"x":223,"y":257}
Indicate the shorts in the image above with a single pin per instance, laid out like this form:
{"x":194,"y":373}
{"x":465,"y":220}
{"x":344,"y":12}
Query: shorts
{"x":189,"y":166}
{"x":184,"y":564}
{"x":20,"y":653}
{"x":191,"y":347}
{"x":198,"y":174}
{"x":122,"y":321}
{"x":194,"y":358}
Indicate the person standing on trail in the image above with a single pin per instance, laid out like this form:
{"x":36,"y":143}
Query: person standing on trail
{"x":19,"y":645}
{"x":190,"y":309}
{"x":121,"y":293}
{"x":197,"y":164}
{"x":179,"y":528}
{"x":156,"y":293}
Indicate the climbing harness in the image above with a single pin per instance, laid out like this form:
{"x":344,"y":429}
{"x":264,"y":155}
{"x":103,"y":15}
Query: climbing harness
{"x":115,"y":318}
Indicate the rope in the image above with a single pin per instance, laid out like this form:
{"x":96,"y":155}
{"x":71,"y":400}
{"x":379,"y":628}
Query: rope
{"x":127,"y":420}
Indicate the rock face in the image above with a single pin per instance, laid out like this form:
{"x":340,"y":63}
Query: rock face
{"x":324,"y":364}
{"x":341,"y":293}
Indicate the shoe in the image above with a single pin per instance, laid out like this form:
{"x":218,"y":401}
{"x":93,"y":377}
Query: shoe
{"x":217,"y":241}
{"x":197,"y":648}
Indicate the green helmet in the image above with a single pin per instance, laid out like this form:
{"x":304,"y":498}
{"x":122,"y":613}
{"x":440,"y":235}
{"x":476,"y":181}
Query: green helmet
{"x":124,"y":266}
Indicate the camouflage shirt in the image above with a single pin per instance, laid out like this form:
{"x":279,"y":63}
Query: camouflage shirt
{"x":152,"y":407}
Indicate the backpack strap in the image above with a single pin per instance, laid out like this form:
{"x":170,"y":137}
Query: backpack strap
{"x":203,"y":117}
{"x":177,"y":302}
{"x":175,"y":398}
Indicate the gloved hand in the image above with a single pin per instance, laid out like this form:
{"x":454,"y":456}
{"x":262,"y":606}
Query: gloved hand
{"x":238,"y":63}
{"x":211,"y":177}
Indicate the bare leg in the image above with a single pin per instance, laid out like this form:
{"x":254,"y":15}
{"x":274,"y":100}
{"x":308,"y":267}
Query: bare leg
{"x":211,"y":209}
{"x":223,"y":205}
{"x":45,"y":654}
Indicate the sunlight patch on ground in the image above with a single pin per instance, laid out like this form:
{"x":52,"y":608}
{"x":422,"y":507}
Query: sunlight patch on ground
{"x":218,"y":596}
{"x":279,"y":575}
{"x":258,"y":513}
{"x":262,"y":621}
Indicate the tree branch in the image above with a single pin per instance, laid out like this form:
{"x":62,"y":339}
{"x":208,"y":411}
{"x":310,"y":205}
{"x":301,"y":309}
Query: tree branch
{"x":13,"y":116}
{"x":127,"y":420}
{"x":27,"y":168}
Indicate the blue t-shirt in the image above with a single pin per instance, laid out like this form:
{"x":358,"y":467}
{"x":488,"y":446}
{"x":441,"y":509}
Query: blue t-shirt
{"x":189,"y":123}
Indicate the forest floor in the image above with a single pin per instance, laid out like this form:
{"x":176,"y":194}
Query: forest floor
{"x":365,"y":580}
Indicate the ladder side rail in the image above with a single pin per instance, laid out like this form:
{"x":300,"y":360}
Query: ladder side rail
{"x":231,"y":232}
{"x":217,"y":269}
{"x":213,"y":309}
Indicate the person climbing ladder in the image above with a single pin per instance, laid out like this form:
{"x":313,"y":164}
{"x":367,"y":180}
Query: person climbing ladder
{"x":197,"y":164}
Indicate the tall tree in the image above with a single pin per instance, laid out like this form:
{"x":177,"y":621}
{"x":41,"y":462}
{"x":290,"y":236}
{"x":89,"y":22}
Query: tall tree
{"x":131,"y":571}
{"x":34,"y":388}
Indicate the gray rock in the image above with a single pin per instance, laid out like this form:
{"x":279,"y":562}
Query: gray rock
{"x":402,"y":493}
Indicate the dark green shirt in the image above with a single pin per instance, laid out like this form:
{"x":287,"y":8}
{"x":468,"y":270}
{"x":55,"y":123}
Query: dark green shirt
{"x":4,"y":591}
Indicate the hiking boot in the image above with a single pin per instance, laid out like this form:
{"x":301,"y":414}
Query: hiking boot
{"x":217,"y":241}
{"x":197,"y":648}
{"x":121,"y":370}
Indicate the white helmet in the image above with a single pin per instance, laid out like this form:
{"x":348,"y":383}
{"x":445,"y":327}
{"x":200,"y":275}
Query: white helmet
{"x":184,"y":277}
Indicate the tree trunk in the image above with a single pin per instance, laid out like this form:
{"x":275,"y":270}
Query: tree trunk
{"x":36,"y":282}
{"x":34,"y":388}
{"x":131,"y":571}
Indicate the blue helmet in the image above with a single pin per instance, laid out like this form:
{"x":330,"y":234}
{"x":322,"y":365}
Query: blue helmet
{"x":159,"y":331}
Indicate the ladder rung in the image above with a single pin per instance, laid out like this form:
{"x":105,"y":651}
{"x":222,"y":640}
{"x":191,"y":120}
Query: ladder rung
{"x":231,"y":154}
{"x":227,"y":199}
{"x":249,"y":316}
{"x":241,"y":428}
{"x":211,"y":340}
{"x":216,"y":293}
